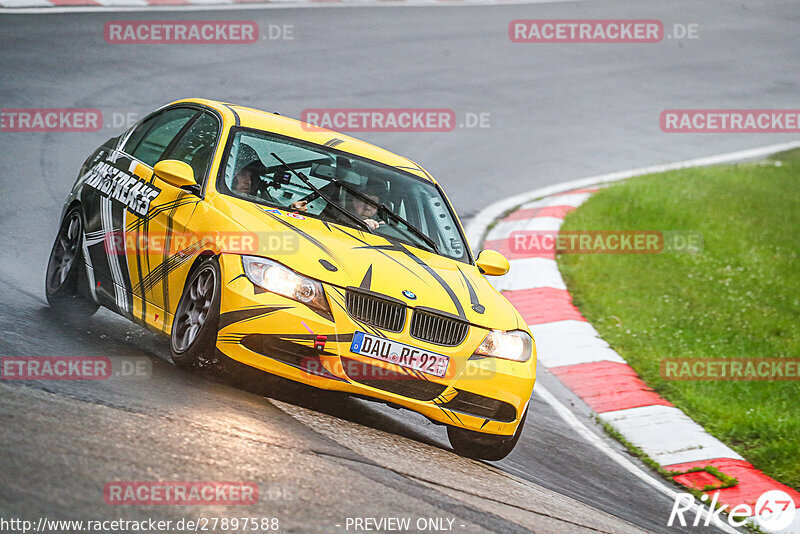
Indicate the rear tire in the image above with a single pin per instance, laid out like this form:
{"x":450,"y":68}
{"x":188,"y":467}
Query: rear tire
{"x":65,"y":284}
{"x":480,"y":446}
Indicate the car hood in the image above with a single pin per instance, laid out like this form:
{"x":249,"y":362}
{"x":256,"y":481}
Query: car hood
{"x":345,"y":256}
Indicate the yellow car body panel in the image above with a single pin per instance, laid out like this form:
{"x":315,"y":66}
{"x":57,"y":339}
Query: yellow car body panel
{"x":282,"y":336}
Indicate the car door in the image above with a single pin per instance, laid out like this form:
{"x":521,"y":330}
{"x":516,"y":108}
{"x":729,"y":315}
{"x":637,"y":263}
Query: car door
{"x":120,"y":196}
{"x":174,"y":246}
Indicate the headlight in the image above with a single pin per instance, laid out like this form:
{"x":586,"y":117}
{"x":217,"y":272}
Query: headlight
{"x":515,"y":345}
{"x":281,"y":280}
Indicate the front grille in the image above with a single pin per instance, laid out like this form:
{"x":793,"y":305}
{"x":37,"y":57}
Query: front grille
{"x":437,"y":328}
{"x":480,"y":406}
{"x":378,"y":311}
{"x":398,"y":383}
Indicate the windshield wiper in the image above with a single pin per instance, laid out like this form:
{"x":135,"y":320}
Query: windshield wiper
{"x":383,"y":208}
{"x":306,"y":181}
{"x":414,"y":230}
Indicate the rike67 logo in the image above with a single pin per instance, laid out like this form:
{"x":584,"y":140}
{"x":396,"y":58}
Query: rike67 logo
{"x":774,"y":511}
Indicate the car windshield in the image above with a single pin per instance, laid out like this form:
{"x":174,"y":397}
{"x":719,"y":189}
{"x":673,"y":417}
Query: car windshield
{"x":296,"y":176}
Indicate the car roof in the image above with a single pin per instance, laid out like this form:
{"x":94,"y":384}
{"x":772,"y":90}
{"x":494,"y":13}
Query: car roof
{"x":272,"y":122}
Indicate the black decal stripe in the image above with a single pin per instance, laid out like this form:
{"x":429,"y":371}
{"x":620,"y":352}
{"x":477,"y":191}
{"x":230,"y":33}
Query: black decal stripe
{"x":454,"y":414}
{"x":164,"y":268}
{"x":438,"y":278}
{"x":446,"y":395}
{"x":473,"y":296}
{"x":307,"y":236}
{"x":366,"y":282}
{"x":405,"y":370}
{"x":328,"y":316}
{"x":418,"y":374}
{"x":172,"y":266}
{"x":410,"y":372}
{"x":137,"y":225}
{"x":139,"y":270}
{"x":228,"y":318}
{"x":380,"y":249}
{"x":446,"y":412}
{"x":333,"y":142}
{"x":154,"y":210}
{"x":161,"y":208}
{"x":125,"y":267}
{"x":332,"y":338}
{"x":417,"y":168}
{"x":146,"y":224}
{"x":157,"y":273}
{"x":423,"y":171}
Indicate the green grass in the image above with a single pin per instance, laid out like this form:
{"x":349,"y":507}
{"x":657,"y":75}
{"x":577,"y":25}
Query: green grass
{"x":788,"y":155}
{"x":737,"y":297}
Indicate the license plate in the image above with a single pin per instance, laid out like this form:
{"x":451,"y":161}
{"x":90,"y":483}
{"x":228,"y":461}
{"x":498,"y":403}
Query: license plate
{"x":400,"y":354}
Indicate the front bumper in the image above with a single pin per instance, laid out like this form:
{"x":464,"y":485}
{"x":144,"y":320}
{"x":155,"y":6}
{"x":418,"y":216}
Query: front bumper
{"x":288,"y":339}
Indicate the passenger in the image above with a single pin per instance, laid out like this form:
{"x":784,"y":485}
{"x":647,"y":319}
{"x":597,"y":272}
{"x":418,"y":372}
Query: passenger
{"x":365,"y":211}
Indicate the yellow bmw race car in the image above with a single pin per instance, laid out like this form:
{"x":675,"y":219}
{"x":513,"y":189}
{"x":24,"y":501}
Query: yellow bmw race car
{"x":243,"y":235}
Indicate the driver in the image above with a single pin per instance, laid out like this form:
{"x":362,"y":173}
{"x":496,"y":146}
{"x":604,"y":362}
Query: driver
{"x":246,"y":180}
{"x":247,"y":177}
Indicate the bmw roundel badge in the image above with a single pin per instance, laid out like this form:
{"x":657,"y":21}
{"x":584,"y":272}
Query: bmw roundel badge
{"x":409,"y":294}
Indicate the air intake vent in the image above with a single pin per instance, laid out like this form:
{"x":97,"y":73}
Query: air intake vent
{"x":480,"y":406}
{"x":436,"y":328}
{"x":376,"y":310}
{"x":398,"y":383}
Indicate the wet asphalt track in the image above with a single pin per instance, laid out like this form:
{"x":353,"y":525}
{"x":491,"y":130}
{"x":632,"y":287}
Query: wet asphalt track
{"x":558,"y":112}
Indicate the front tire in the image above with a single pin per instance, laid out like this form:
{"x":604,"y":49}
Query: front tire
{"x":65,"y":278}
{"x":193,"y":341}
{"x":480,"y":446}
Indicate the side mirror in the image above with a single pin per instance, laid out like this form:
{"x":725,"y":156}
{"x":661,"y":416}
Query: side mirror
{"x":492,"y":263}
{"x":175,"y":173}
